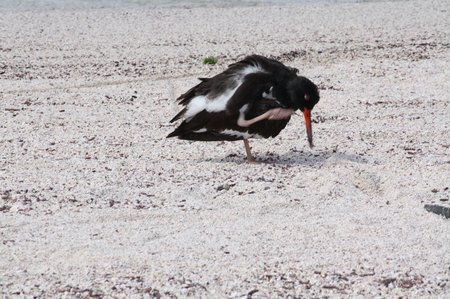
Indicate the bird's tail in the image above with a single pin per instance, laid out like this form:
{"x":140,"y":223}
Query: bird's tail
{"x":179,"y":115}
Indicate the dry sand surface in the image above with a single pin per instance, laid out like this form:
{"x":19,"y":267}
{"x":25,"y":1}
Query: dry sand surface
{"x":96,"y":202}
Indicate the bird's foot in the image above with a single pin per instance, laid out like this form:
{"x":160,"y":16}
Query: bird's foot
{"x":251,"y":160}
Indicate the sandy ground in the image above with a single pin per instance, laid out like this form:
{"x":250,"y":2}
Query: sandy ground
{"x":95,"y":202}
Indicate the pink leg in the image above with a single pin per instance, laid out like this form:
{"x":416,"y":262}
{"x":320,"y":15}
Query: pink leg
{"x":250,"y":158}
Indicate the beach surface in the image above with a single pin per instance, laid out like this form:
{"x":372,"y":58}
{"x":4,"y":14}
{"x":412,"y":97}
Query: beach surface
{"x":95,"y":201}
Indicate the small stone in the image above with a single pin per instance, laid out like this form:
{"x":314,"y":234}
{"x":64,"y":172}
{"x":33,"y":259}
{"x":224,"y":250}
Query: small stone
{"x":225,"y":187}
{"x":443,"y":199}
{"x":434,"y":190}
{"x":5,"y":208}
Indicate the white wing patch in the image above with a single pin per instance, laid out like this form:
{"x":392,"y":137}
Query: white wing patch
{"x":195,"y":106}
{"x":232,"y":133}
{"x":219,"y":103}
{"x":244,"y":135}
{"x":251,"y":69}
{"x":202,"y":130}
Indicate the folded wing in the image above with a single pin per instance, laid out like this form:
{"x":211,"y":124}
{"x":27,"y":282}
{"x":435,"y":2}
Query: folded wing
{"x":213,"y":107}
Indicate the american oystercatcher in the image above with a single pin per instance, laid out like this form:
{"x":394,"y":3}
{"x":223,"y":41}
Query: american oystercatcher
{"x":253,"y":98}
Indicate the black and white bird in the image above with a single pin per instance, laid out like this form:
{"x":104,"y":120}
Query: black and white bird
{"x":253,"y":98}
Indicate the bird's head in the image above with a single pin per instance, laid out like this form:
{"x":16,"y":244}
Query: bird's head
{"x":304,"y":95}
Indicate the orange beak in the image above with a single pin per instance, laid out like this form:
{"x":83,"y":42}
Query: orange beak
{"x":307,"y":114}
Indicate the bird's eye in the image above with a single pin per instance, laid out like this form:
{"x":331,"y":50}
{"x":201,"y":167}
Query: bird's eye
{"x":307,"y":98}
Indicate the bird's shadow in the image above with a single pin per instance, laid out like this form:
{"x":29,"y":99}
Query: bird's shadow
{"x":294,"y":157}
